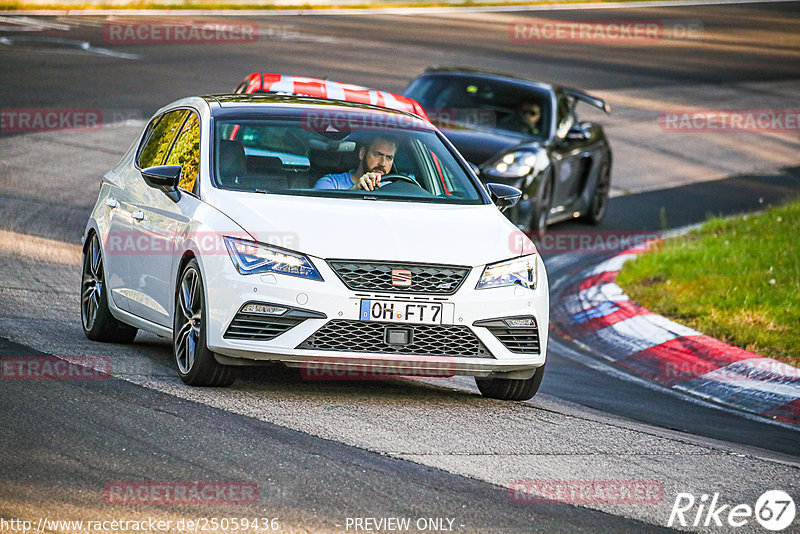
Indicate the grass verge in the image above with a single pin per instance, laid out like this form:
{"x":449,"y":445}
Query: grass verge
{"x":736,"y":279}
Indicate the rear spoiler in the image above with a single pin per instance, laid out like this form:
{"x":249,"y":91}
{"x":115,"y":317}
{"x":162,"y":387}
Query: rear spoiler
{"x":586,"y":98}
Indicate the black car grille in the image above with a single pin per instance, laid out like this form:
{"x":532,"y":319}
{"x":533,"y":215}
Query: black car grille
{"x":427,"y":340}
{"x":519,"y":340}
{"x":259,"y":327}
{"x":377,"y":276}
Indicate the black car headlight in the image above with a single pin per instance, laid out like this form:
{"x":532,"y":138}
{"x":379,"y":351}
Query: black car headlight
{"x":518,"y":164}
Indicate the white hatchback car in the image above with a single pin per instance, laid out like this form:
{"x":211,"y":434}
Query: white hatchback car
{"x":243,"y":228}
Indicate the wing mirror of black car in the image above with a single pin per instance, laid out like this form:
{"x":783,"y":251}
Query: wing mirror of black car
{"x":577,"y":133}
{"x":165,"y":177}
{"x":504,"y":196}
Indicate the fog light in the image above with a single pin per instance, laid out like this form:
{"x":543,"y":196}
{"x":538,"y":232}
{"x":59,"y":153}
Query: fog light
{"x":264,"y":309}
{"x":522,"y":322}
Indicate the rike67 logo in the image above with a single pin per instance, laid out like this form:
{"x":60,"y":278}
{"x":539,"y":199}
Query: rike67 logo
{"x":774,"y":510}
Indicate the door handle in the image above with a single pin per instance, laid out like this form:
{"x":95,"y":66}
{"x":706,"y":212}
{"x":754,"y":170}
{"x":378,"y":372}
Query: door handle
{"x":112,"y":203}
{"x":138,"y":215}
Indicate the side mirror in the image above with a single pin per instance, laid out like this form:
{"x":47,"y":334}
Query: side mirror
{"x":504,"y":196}
{"x":163,"y":176}
{"x":577,"y":133}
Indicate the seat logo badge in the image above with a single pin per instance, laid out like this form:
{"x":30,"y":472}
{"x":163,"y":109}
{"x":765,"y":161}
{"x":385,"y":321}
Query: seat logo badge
{"x":401,"y":278}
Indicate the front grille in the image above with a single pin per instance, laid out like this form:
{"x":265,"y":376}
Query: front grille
{"x":519,"y":340}
{"x":427,"y":340}
{"x":377,"y":276}
{"x":259,"y":327}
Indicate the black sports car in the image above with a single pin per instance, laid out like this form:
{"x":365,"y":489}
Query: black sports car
{"x":524,"y":134}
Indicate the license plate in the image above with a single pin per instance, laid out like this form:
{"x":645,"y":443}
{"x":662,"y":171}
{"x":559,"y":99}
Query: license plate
{"x":396,"y":311}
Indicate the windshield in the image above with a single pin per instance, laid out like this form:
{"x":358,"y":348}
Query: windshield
{"x":458,"y":102}
{"x":300,"y":156}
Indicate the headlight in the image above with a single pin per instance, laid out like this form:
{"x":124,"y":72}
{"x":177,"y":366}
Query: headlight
{"x":519,"y":163}
{"x":519,"y":271}
{"x":250,"y":257}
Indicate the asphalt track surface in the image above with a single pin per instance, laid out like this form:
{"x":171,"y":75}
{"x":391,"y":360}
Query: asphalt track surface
{"x":63,"y":441}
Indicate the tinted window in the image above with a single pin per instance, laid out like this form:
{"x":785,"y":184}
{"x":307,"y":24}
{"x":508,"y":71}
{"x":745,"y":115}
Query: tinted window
{"x":291,"y":156}
{"x":160,"y":138}
{"x":186,"y":153}
{"x":458,"y":101}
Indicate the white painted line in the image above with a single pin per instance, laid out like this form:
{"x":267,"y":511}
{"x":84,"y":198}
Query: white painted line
{"x":596,"y":295}
{"x":389,"y":11}
{"x":641,"y":332}
{"x":613,"y":264}
{"x":761,"y":369}
{"x":756,"y":396}
{"x":661,"y":322}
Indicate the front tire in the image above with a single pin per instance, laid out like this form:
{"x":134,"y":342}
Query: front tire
{"x":599,"y":204}
{"x":511,"y":389}
{"x":98,"y":323}
{"x":539,"y":220}
{"x":196,"y":364}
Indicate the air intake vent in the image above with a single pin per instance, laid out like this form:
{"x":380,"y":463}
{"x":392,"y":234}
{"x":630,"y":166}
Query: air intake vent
{"x":519,"y":335}
{"x":264,"y":327}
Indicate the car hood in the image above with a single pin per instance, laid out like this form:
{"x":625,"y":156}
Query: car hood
{"x":373,"y":230}
{"x":479,"y":146}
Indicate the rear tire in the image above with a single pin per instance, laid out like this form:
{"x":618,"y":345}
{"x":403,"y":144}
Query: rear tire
{"x":98,"y":323}
{"x":196,"y":364}
{"x":511,"y":389}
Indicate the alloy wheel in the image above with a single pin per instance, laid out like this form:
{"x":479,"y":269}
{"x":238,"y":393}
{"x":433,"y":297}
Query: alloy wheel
{"x":190,"y":308}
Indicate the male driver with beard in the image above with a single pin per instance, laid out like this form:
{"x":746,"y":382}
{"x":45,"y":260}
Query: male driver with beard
{"x":375,"y":157}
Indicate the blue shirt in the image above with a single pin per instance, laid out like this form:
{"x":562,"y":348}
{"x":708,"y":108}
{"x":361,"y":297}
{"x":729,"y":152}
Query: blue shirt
{"x":335,"y":181}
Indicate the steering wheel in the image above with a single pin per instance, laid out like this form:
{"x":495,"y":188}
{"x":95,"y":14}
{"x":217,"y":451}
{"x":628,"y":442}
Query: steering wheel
{"x":400,"y":177}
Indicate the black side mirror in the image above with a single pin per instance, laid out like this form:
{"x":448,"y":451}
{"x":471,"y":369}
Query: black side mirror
{"x":504,"y":196}
{"x":164,"y":177}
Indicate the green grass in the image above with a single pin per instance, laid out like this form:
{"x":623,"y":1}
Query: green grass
{"x":736,"y":279}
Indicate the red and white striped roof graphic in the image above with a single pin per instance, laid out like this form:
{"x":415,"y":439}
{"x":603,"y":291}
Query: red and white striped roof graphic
{"x":347,"y":92}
